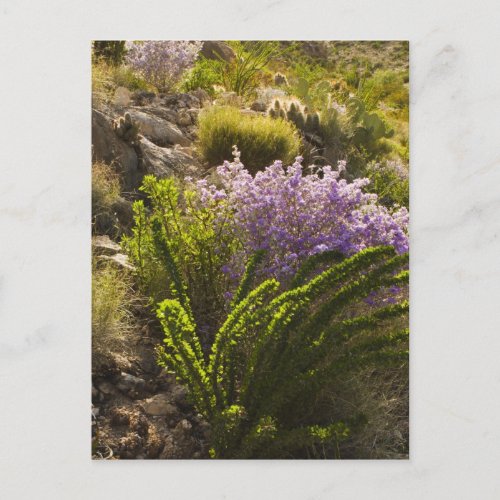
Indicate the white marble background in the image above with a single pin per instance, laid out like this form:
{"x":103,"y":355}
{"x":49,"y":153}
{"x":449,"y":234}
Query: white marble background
{"x":45,"y":249}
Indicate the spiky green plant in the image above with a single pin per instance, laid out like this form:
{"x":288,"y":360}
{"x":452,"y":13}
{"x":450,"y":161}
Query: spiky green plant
{"x":263,"y":381}
{"x":172,"y":247}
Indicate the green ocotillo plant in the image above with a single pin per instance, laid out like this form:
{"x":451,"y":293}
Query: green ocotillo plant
{"x":261,"y":382}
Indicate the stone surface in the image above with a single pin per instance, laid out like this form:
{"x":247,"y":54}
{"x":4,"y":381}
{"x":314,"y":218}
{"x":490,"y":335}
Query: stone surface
{"x":159,"y":131}
{"x":106,"y":388}
{"x":259,"y":105}
{"x":159,"y":405}
{"x":131,"y":385}
{"x":104,"y":245}
{"x":164,"y":162}
{"x":122,"y":96}
{"x":167,"y":114}
{"x":214,"y":49}
{"x":182,"y":100}
{"x":184,"y":118}
{"x":120,"y":259}
{"x":202,"y":95}
{"x":109,"y":148}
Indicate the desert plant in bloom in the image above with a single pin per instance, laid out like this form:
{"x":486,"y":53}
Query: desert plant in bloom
{"x":162,"y":63}
{"x":262,"y":384}
{"x":292,"y":214}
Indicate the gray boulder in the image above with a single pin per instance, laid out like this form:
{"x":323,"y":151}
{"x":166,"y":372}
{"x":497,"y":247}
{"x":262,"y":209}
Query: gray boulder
{"x":215,"y":49}
{"x":104,"y":245}
{"x":160,"y":131}
{"x":109,"y":148}
{"x":164,"y":162}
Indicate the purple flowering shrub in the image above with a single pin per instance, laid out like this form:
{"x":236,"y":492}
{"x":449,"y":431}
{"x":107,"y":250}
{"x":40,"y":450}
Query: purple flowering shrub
{"x":292,"y":215}
{"x":162,"y":63}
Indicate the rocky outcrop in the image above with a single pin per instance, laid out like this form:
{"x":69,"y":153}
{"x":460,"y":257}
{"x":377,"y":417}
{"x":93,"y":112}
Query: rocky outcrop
{"x":160,"y":131}
{"x":107,"y":250}
{"x":165,"y":162}
{"x":166,"y":127}
{"x":214,"y":49}
{"x":109,"y":148}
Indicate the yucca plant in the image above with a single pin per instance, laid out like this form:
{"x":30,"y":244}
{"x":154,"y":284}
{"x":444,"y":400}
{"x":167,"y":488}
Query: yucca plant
{"x":263,"y":379}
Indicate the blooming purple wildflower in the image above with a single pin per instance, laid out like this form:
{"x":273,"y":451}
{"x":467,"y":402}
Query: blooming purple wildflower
{"x":162,"y":63}
{"x":293,"y":215}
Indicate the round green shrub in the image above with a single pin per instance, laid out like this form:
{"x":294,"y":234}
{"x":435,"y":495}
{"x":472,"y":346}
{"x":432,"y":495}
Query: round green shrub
{"x":261,"y":139}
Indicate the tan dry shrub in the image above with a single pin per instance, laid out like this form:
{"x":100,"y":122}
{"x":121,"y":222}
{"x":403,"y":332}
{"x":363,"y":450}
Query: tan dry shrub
{"x":105,"y":194}
{"x":112,"y":317}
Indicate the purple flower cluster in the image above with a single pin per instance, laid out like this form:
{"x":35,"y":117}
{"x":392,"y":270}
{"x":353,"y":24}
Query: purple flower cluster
{"x":293,"y":215}
{"x":162,"y":63}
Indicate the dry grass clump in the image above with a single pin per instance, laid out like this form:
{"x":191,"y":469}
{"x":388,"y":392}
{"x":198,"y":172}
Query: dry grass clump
{"x":106,"y":200}
{"x":112,"y":316}
{"x":260,"y":139}
{"x":106,"y":78}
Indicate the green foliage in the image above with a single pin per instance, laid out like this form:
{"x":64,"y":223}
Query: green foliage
{"x":390,"y":182}
{"x":278,"y":353}
{"x":260,"y":139}
{"x":172,"y":247}
{"x":241,"y":75}
{"x":106,"y":78}
{"x":384,"y":86}
{"x":204,"y":75}
{"x":314,"y":97}
{"x":112,"y":52}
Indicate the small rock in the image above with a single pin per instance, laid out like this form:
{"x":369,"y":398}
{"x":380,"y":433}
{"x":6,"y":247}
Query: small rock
{"x":193,"y":113}
{"x":160,"y":131}
{"x":202,"y":96}
{"x":183,"y":119}
{"x":182,"y":431}
{"x":122,"y":97}
{"x":159,"y":405}
{"x":104,"y":245}
{"x":169,"y":449}
{"x":259,"y":105}
{"x":164,"y":162}
{"x":179,"y":395}
{"x":130,"y":384}
{"x":106,"y":388}
{"x":249,"y":112}
{"x":120,"y":259}
{"x":215,"y":49}
{"x":142,"y":97}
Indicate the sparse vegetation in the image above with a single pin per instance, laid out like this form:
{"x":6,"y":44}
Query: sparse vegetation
{"x":105,"y":196}
{"x":112,"y":317}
